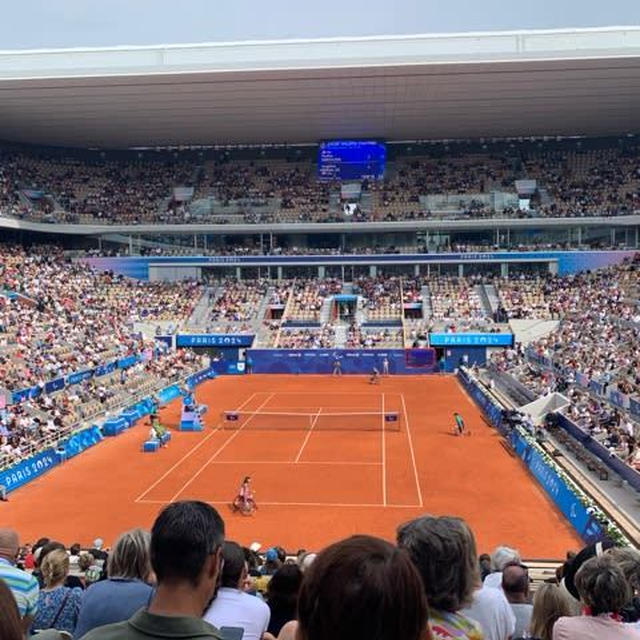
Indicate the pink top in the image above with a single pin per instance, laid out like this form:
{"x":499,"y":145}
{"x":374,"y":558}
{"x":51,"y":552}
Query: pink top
{"x":593,"y":628}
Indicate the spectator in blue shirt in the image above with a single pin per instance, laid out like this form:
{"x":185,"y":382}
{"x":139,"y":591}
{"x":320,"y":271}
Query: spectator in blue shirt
{"x":127,"y":588}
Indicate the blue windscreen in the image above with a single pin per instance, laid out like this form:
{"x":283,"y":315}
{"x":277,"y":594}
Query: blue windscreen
{"x":351,"y":160}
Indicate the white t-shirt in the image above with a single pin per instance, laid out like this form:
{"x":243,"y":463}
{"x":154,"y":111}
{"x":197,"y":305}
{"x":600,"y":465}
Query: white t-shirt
{"x":234,"y":608}
{"x":491,"y":610}
{"x":493,"y":580}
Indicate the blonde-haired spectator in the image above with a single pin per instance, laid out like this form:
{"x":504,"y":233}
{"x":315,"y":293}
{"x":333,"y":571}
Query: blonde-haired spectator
{"x":58,"y":606}
{"x":128,"y":587}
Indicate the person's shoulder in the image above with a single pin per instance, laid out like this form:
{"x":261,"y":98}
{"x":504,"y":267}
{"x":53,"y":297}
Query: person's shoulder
{"x":10,"y":571}
{"x":108,"y":631}
{"x":489,"y":594}
{"x":255,"y":602}
{"x":562,"y":627}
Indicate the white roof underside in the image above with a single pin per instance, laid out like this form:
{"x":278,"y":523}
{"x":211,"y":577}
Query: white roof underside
{"x":569,"y":82}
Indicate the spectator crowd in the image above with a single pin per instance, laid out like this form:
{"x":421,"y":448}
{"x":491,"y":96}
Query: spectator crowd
{"x":167,"y":187}
{"x":185,"y":579}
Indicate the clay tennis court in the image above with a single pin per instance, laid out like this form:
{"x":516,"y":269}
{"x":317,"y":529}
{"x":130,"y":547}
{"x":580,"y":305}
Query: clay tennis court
{"x":315,"y":480}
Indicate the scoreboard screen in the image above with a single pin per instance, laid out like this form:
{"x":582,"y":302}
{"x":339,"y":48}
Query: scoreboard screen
{"x":351,"y":160}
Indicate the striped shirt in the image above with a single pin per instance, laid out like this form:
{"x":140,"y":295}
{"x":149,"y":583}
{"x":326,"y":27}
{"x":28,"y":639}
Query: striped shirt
{"x":23,"y":586}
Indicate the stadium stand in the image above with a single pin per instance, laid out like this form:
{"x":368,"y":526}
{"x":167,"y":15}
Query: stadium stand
{"x":591,"y":358}
{"x":80,"y":187}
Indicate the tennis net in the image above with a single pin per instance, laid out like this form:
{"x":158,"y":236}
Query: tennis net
{"x":318,"y":420}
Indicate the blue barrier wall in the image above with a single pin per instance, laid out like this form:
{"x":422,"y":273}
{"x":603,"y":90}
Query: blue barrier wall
{"x":28,"y":470}
{"x":564,"y":497}
{"x":359,"y":361}
{"x":599,"y":450}
{"x":562,"y":494}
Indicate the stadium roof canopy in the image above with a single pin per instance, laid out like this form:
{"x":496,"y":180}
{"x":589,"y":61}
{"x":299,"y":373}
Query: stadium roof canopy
{"x":469,"y":85}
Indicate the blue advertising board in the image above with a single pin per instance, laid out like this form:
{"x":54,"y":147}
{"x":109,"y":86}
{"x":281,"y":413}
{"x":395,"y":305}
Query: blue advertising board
{"x":81,"y":441}
{"x":79,"y":376}
{"x":562,"y":495}
{"x":214,"y":340}
{"x":104,"y":369}
{"x":28,"y":470}
{"x":201,"y":376}
{"x":471,"y":339}
{"x":54,"y":385}
{"x":314,"y":361}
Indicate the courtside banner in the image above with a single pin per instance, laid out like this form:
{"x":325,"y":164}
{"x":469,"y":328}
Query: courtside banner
{"x":28,"y":470}
{"x":319,"y":361}
{"x":471,"y":339}
{"x":214,"y":340}
{"x":562,"y":495}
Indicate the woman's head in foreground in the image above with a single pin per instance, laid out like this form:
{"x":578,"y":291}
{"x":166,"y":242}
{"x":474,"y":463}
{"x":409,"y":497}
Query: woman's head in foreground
{"x":362,"y":588}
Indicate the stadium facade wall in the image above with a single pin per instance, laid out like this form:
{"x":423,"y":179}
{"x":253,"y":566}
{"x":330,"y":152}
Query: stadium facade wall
{"x":27,"y":470}
{"x":568,"y":261}
{"x":561,"y":493}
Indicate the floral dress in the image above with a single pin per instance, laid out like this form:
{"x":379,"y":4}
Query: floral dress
{"x":58,"y":609}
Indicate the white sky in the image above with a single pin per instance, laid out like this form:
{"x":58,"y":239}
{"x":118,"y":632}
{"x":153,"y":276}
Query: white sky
{"x":71,"y":23}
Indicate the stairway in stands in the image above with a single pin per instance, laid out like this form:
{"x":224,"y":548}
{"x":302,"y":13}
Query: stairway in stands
{"x":480,"y":289}
{"x":492,"y":296}
{"x":325,"y":311}
{"x":200,"y":312}
{"x":341,"y":336}
{"x":545,"y":197}
{"x":262,"y":309}
{"x":427,"y":308}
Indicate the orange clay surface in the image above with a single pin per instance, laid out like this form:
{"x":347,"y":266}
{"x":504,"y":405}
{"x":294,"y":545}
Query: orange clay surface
{"x":312,"y":487}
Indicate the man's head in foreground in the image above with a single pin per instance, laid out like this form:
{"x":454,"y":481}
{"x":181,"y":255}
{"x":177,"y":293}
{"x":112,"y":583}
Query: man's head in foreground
{"x":186,"y":556}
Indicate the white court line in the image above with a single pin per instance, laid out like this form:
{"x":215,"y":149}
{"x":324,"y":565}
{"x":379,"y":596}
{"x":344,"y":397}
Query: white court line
{"x":219,"y":450}
{"x":325,"y":393}
{"x":283,"y":462}
{"x":304,"y":444}
{"x":186,"y":455}
{"x":384,"y":460}
{"x":413,"y":456}
{"x":306,"y":504}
